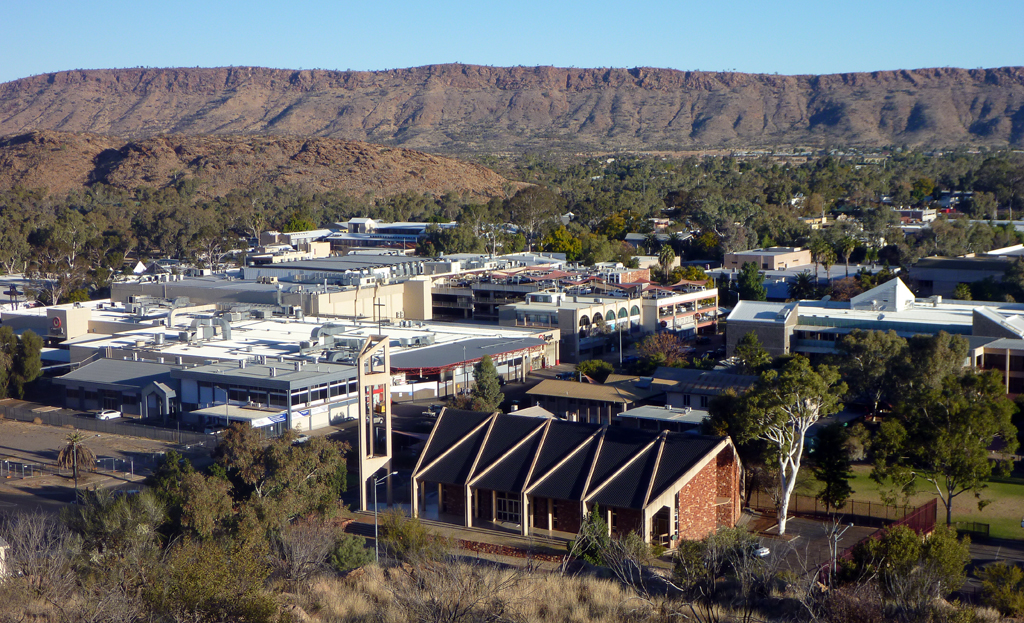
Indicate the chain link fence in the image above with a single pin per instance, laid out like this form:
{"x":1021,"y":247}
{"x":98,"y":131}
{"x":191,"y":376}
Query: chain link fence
{"x":132,"y":428}
{"x":861,"y":513}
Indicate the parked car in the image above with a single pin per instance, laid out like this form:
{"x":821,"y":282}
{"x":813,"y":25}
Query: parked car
{"x":213,"y":431}
{"x":566,"y":376}
{"x":759,"y":551}
{"x":433,"y":410}
{"x":108,"y":414}
{"x":301,"y":439}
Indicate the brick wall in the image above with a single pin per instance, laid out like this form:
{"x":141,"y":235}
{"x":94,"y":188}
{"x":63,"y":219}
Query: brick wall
{"x":568,"y":517}
{"x":453,"y":500}
{"x":483,"y":503}
{"x":697,"y":512}
{"x":728,"y":474}
{"x":628,"y":520}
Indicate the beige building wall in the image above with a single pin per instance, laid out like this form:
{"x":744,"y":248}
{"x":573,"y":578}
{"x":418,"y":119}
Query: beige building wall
{"x":779,"y":258}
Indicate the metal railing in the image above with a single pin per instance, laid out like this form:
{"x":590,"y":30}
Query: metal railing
{"x":864,"y":513}
{"x":130,"y":428}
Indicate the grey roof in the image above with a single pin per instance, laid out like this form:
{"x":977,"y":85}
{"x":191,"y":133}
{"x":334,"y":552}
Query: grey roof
{"x":455,"y":353}
{"x":666,"y":414}
{"x":349,"y":262}
{"x":769,"y":251}
{"x":758,"y":311}
{"x":617,"y":466}
{"x":1005,"y":343}
{"x":258,"y":375}
{"x":997,"y":264}
{"x":692,"y":380}
{"x":119,"y":372}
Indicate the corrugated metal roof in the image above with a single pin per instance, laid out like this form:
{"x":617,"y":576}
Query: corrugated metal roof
{"x":454,"y":353}
{"x":118,"y":372}
{"x":573,"y":460}
{"x":619,"y":392}
{"x":456,"y":424}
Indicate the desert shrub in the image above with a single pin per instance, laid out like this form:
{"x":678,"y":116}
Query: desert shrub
{"x":350,"y":553}
{"x":1002,"y":586}
{"x":213,"y":581}
{"x":404,"y":538}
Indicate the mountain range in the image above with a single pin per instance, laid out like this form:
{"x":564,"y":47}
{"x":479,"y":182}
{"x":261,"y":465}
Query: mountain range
{"x":469,"y":109}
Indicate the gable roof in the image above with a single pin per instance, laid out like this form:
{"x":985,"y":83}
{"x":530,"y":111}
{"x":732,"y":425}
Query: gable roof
{"x":891,"y":296}
{"x":621,"y":467}
{"x":619,"y":391}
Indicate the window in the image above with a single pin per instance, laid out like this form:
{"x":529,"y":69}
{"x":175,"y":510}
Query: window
{"x":72,"y":392}
{"x":278,"y":399}
{"x":352,"y":389}
{"x":508,"y":507}
{"x":703,"y":402}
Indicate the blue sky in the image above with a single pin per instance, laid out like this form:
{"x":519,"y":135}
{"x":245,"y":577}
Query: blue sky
{"x":766,"y":36}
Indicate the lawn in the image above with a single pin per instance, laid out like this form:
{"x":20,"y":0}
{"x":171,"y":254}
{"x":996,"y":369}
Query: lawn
{"x":1003,"y":514}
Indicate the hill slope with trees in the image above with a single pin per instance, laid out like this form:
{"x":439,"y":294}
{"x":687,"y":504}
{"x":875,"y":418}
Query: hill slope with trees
{"x":212,"y":166}
{"x":475,"y":109}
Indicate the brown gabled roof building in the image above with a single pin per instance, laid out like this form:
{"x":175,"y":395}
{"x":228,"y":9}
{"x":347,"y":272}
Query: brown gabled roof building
{"x":544,"y":475}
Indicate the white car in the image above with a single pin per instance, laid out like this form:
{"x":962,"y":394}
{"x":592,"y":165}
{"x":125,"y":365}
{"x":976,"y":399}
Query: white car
{"x":759,"y":551}
{"x":108,"y":414}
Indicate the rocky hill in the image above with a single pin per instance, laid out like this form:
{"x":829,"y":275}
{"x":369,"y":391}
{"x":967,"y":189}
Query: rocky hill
{"x":465,"y":108}
{"x":62,"y":161}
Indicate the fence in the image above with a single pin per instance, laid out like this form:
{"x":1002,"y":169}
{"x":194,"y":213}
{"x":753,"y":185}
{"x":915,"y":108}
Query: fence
{"x":863,"y":513}
{"x":131,"y":428}
{"x":973,"y":528}
{"x":920,"y":519}
{"x":130,"y":465}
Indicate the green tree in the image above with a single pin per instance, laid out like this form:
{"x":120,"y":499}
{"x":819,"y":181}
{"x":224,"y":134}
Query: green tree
{"x":531,"y":208}
{"x":27,"y":365}
{"x":941,"y":438}
{"x":486,"y":394}
{"x":666,"y":256}
{"x":595,"y":369}
{"x":298,"y":222}
{"x":751,"y":284}
{"x":592,"y":539}
{"x":752,"y":355}
{"x":1002,"y":585}
{"x":832,"y":465}
{"x":844,"y":247}
{"x":561,"y":241}
{"x":803,"y":287}
{"x":782,"y":407}
{"x":962,"y":292}
{"x":213,"y":581}
{"x":867,"y":360}
{"x":276,"y":482}
{"x":8,"y":351}
{"x":75,"y":455}
{"x":350,"y":553}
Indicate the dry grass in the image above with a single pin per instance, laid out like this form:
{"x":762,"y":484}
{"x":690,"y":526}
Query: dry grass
{"x":382,"y":596}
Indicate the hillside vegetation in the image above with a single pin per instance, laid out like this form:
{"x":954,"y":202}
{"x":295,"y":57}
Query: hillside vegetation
{"x":475,"y":109}
{"x":215,"y":165}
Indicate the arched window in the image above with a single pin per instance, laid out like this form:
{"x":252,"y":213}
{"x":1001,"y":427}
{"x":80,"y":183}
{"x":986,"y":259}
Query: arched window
{"x":635,"y":311}
{"x":622,"y":313}
{"x":598,"y":318}
{"x":584,"y":321}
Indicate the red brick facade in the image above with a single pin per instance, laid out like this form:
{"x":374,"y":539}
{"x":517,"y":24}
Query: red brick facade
{"x":711,"y":498}
{"x":453,"y":500}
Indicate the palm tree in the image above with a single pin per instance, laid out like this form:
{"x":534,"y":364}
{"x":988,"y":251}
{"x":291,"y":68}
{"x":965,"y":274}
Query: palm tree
{"x":75,"y":453}
{"x":803,"y":288}
{"x":652,"y":243}
{"x":844,"y":248}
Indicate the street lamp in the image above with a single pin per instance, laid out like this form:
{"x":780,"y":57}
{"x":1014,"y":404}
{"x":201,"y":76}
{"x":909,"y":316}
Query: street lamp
{"x":376,"y":539}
